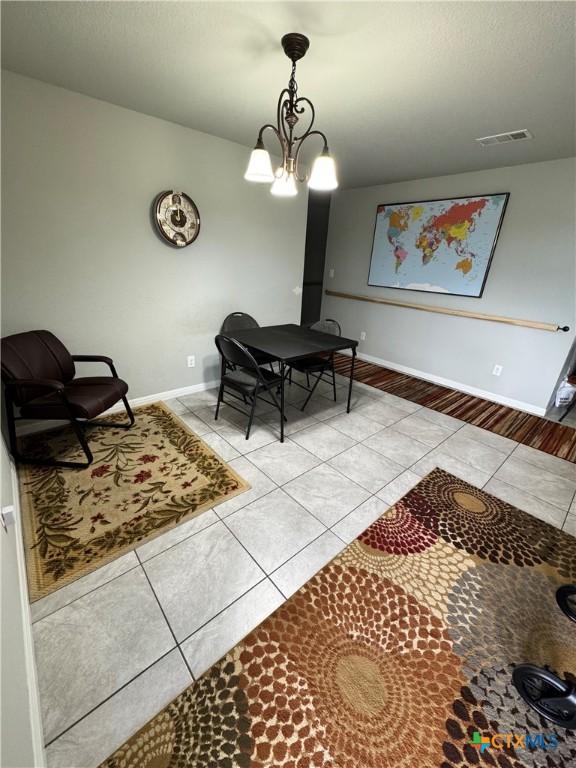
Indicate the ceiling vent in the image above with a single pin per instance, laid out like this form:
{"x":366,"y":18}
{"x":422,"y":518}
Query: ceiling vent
{"x":503,"y":138}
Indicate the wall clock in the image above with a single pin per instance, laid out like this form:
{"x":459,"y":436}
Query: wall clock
{"x":177,"y":218}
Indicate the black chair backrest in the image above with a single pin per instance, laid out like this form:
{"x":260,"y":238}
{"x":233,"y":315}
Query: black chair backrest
{"x":327,"y":326}
{"x":236,"y":354}
{"x":238,"y":321}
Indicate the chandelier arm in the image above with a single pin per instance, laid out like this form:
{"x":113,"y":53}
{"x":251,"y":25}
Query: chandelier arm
{"x":301,"y":141}
{"x":283,"y":103}
{"x":300,"y":110}
{"x":278,"y":136}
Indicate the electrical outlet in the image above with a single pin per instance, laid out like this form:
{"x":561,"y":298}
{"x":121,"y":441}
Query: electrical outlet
{"x":363,"y":336}
{"x":497,"y":370}
{"x":330,"y":273}
{"x":191,"y":360}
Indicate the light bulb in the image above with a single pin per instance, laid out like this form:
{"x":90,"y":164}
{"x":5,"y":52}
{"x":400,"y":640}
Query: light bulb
{"x":259,"y":168}
{"x":323,"y":176}
{"x":284,"y":185}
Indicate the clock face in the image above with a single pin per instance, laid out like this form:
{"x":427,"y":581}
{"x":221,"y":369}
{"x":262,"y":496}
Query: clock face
{"x":177,"y":218}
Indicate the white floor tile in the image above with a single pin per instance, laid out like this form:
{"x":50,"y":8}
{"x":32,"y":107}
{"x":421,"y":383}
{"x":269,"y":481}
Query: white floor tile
{"x":176,"y":406}
{"x":399,"y":487}
{"x":322,"y":408}
{"x":525,"y":501}
{"x":283,"y":461}
{"x":359,"y":519}
{"x":212,"y":641}
{"x":300,"y":568}
{"x":296,"y":420}
{"x":537,"y":481}
{"x":423,"y":430}
{"x":354,"y":425}
{"x":195,"y":423}
{"x":326,"y":493}
{"x":175,"y":535}
{"x":442,"y":419}
{"x":381,"y":412}
{"x":260,"y":485}
{"x":274,"y":528}
{"x":323,"y":441}
{"x":472,"y":451}
{"x":220,"y":446}
{"x":199,"y":399}
{"x":570,"y":525}
{"x":99,"y":734}
{"x":491,"y":439}
{"x":197,"y":578}
{"x":557,"y":466}
{"x":260,"y":434}
{"x":400,"y":448}
{"x":438,"y":458}
{"x":93,"y":646}
{"x":81,"y":587}
{"x":366,"y":467}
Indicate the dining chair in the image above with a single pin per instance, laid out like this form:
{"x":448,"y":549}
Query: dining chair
{"x":321,"y":366}
{"x":243,"y":379}
{"x":240,"y":321}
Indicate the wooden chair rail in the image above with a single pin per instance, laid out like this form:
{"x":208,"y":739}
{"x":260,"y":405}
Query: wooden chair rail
{"x":454,"y":312}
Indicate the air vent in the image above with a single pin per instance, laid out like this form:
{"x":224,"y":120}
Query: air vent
{"x":503,"y":138}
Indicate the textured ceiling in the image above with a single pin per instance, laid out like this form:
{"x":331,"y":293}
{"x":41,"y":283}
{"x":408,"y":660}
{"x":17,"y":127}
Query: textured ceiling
{"x":401,"y":89}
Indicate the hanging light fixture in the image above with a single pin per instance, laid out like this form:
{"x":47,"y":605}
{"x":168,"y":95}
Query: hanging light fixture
{"x":290,"y":109}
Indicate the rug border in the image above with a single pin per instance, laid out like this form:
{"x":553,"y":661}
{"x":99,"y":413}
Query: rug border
{"x":23,"y":472}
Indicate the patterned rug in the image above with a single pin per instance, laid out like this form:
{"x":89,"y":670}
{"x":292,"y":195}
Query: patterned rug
{"x":142,"y":482}
{"x":542,"y":434}
{"x":397,"y":654}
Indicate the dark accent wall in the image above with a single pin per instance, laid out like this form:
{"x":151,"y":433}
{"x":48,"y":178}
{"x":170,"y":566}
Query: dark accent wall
{"x":315,"y":255}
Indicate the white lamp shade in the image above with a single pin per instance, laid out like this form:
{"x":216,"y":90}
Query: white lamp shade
{"x":323,"y":176}
{"x":259,"y":168}
{"x":284,"y":185}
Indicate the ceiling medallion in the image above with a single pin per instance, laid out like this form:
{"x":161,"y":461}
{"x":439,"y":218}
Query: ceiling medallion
{"x":290,"y":109}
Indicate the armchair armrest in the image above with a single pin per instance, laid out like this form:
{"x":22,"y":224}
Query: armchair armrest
{"x":96,"y":359}
{"x":92,"y":359}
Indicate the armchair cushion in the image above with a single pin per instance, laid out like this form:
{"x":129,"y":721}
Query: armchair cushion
{"x":35,"y":355}
{"x":88,"y":397}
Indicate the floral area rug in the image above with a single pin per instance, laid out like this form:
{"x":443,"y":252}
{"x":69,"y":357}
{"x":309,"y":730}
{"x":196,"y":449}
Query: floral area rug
{"x":142,"y":482}
{"x":397,"y":654}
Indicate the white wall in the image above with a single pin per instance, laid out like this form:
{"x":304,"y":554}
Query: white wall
{"x":20,"y":728}
{"x":532,"y":277}
{"x":80,"y":257}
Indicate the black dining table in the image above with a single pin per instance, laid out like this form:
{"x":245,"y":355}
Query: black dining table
{"x":286,"y":343}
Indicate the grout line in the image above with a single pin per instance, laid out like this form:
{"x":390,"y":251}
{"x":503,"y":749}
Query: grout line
{"x":225,"y":608}
{"x":166,"y":619}
{"x":175,"y":544}
{"x":90,"y":711}
{"x":90,"y":591}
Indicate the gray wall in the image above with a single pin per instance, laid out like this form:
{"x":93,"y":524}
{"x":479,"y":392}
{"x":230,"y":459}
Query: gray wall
{"x":532,"y":277}
{"x":79,"y":255}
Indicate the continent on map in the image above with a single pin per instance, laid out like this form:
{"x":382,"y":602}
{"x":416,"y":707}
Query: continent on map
{"x":452,"y":227}
{"x":398,"y":222}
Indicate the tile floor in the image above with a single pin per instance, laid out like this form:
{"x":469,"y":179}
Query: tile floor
{"x":117,"y":645}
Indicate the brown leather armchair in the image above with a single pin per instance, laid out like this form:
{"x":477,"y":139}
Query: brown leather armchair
{"x":39,"y":373}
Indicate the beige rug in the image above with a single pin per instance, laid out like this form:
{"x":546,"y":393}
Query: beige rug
{"x":143,"y":481}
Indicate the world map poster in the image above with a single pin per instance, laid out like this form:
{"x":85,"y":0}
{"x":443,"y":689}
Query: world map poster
{"x":443,"y":246}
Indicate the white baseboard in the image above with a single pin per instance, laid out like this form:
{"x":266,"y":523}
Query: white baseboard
{"x":42,"y":426}
{"x":492,"y":396}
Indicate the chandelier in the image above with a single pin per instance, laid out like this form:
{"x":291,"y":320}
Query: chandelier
{"x":291,"y":110}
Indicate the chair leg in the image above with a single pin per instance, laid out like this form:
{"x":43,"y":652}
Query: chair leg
{"x":312,"y":391}
{"x":251,"y":416}
{"x":21,"y":459}
{"x":113,"y":423}
{"x":334,"y":382}
{"x":276,"y":403}
{"x":220,"y":400}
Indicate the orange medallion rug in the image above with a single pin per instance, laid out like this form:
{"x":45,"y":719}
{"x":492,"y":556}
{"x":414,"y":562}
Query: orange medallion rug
{"x":397,"y":654}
